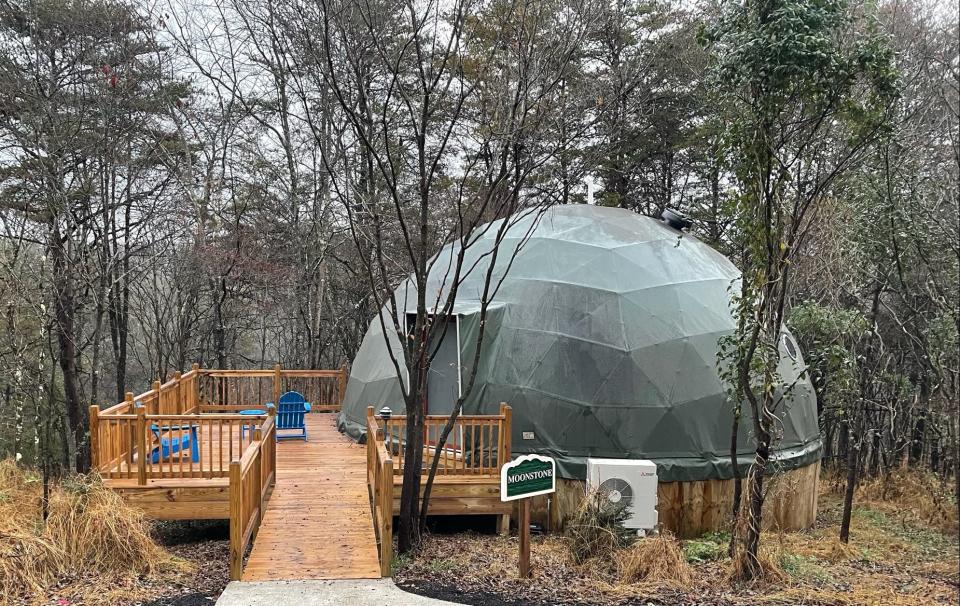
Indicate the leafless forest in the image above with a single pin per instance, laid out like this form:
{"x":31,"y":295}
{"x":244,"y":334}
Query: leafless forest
{"x":240,"y":183}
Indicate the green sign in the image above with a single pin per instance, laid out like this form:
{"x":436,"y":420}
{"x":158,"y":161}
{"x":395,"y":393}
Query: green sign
{"x":528,"y":476}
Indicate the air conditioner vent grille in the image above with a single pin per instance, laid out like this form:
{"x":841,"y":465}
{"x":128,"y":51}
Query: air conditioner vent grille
{"x":628,"y":482}
{"x":618,"y":491}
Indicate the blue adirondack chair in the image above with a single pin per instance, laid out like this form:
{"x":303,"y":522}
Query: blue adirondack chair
{"x":167,"y":447}
{"x":290,"y":416}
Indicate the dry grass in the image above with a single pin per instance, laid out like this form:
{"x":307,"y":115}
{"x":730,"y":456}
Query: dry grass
{"x":930,"y":499}
{"x":765,"y":571}
{"x":822,"y":548}
{"x":596,"y":529}
{"x":894,"y":558}
{"x":89,"y":528}
{"x":656,"y":559}
{"x":94,"y":526}
{"x":764,"y":568}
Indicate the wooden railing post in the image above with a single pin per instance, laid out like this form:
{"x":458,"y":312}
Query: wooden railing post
{"x":95,"y":437}
{"x":342,"y":384}
{"x":178,"y":377}
{"x":258,"y":480}
{"x":130,"y":409}
{"x":195,"y":395}
{"x":506,"y":435}
{"x":371,"y":456}
{"x":272,"y":412}
{"x":386,"y":511}
{"x":276,"y":384}
{"x":141,"y":445}
{"x":236,"y":522}
{"x":156,"y":390}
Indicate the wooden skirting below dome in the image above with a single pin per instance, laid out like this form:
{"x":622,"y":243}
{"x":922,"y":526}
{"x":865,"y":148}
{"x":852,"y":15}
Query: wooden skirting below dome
{"x":690,"y":509}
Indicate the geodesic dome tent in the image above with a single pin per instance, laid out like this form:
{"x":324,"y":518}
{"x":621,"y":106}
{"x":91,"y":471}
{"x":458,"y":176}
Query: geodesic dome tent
{"x":603,"y":338}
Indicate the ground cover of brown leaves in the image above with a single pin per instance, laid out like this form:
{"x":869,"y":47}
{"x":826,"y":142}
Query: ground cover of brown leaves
{"x":900,"y":553}
{"x":203,"y":550}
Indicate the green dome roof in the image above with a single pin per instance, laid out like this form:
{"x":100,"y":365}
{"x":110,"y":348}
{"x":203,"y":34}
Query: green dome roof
{"x":603,"y":339}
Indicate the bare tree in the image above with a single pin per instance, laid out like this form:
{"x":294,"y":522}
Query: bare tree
{"x":444,"y":105}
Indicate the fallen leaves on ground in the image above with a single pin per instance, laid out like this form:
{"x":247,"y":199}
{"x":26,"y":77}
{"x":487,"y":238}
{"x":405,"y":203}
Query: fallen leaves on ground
{"x":888,"y":562}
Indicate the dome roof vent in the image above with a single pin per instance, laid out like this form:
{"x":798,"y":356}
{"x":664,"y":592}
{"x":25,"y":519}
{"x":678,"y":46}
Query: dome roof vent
{"x":675,"y":219}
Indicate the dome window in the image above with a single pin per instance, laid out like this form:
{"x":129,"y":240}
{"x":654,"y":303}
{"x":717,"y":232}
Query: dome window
{"x":790,"y":346}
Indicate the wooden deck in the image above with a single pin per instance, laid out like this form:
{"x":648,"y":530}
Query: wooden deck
{"x":318,"y":523}
{"x":321,"y":509}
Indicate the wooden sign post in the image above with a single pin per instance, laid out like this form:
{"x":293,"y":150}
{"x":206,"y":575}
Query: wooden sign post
{"x":526,"y":477}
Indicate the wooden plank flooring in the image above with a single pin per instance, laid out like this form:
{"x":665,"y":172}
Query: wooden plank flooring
{"x":318,"y":523}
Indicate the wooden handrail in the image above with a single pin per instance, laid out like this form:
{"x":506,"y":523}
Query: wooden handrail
{"x":182,"y":393}
{"x":380,"y":486}
{"x":210,"y":372}
{"x":477,"y":444}
{"x":460,"y":418}
{"x":267,"y":372}
{"x":381,"y":468}
{"x":312,"y":373}
{"x":191,"y":445}
{"x":110,"y":410}
{"x":206,"y":417}
{"x":251,"y":478}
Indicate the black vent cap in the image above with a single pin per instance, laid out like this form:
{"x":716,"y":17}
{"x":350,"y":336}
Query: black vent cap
{"x":675,"y":219}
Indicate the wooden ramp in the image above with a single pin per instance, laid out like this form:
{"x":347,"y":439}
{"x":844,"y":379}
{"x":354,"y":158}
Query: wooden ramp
{"x":318,"y":523}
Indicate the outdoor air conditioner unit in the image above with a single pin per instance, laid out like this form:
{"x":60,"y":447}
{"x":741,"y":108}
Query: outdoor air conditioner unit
{"x":628,"y":480}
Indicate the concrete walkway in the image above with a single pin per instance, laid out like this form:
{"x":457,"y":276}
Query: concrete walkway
{"x":361,"y":592}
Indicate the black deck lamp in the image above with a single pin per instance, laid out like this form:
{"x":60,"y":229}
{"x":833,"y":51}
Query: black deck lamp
{"x":385,"y":413}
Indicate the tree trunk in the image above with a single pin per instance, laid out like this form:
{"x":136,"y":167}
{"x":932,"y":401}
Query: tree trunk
{"x":408,"y":528}
{"x":750,"y":565}
{"x":876,"y":453}
{"x":919,"y":431}
{"x":852,"y":460}
{"x":219,"y":328}
{"x":64,"y":315}
{"x":935,"y":455}
{"x":828,"y":443}
{"x":119,"y":311}
{"x":737,"y":481}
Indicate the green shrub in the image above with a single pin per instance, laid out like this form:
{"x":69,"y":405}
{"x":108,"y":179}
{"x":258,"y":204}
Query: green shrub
{"x":711,"y":546}
{"x":802,"y":567}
